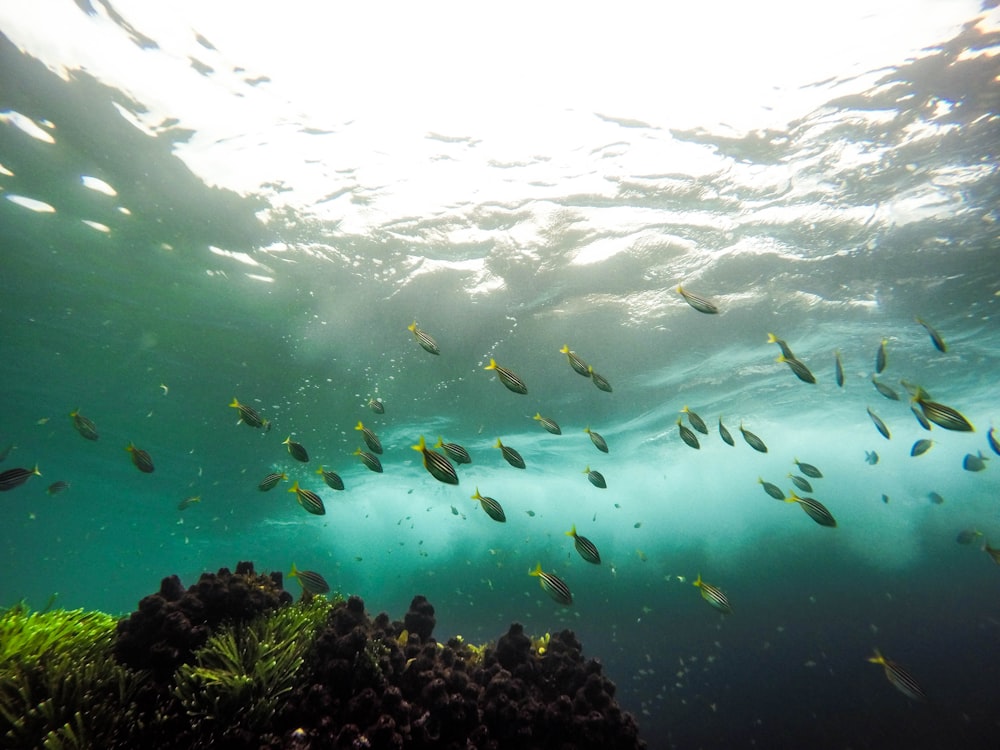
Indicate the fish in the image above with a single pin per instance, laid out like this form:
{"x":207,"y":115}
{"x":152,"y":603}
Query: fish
{"x":944,"y":416}
{"x":332,"y":478}
{"x":771,"y":489}
{"x":814,"y":509}
{"x":916,"y":391}
{"x":454,"y":451}
{"x":371,"y":440}
{"x":935,"y":336}
{"x":426,"y":341}
{"x":188,"y":502}
{"x":808,"y":469}
{"x":697,"y":422}
{"x":921,"y":447}
{"x":6,"y":452}
{"x":510,"y":455}
{"x":919,"y":415}
{"x":56,"y":487}
{"x":700,"y":304}
{"x":786,"y":350}
{"x":269,"y":482}
{"x":798,"y":367}
{"x":714,"y":596}
{"x":991,"y":551}
{"x":508,"y":378}
{"x":585,"y":547}
{"x":885,"y":390}
{"x":548,"y":424}
{"x":968,"y":536}
{"x":579,"y":366}
{"x":899,"y":678}
{"x":376,"y":405}
{"x":596,"y":478}
{"x":308,"y":500}
{"x":991,"y":438}
{"x":141,"y":459}
{"x":974,"y":463}
{"x":248,"y":415}
{"x":310,"y":581}
{"x":801,"y":482}
{"x":687,"y":436}
{"x":84,"y":426}
{"x":726,"y":436}
{"x":838,"y":369}
{"x":530,"y":513}
{"x":436,"y":463}
{"x":879,"y":424}
{"x":296,"y":450}
{"x":752,"y":440}
{"x":454,"y":510}
{"x":885,"y":498}
{"x":871,"y":457}
{"x":597,"y":440}
{"x":491,"y":506}
{"x":370,"y":460}
{"x":600,"y":382}
{"x":553,"y":585}
{"x":935,"y":498}
{"x":880,"y":357}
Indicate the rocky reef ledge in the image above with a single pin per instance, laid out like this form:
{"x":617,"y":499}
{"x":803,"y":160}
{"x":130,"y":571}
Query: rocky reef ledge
{"x":234,"y":662}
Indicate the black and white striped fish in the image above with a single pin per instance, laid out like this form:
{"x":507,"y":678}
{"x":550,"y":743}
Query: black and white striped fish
{"x":308,"y":500}
{"x":700,"y":304}
{"x":585,"y":547}
{"x":492,"y":507}
{"x":899,"y":678}
{"x":553,"y":585}
{"x":714,"y":596}
{"x":436,"y":464}
{"x":426,"y":341}
{"x":507,"y":377}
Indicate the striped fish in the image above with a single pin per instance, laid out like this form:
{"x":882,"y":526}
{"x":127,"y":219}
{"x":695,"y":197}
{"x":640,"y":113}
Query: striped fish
{"x":597,"y":440}
{"x":752,"y":440}
{"x":549,"y":424}
{"x":141,"y":459}
{"x":585,"y":547}
{"x":332,"y":478}
{"x":801,"y":482}
{"x":491,"y":506}
{"x":814,"y":509}
{"x":921,"y":447}
{"x":310,"y":580}
{"x":808,"y":469}
{"x":83,"y":425}
{"x":16,"y":477}
{"x":578,"y":365}
{"x":798,"y":367}
{"x":309,"y":500}
{"x":436,"y":464}
{"x":296,"y":450}
{"x":944,"y":416}
{"x":376,"y":405}
{"x":724,"y":433}
{"x":879,"y":424}
{"x":687,"y":436}
{"x":553,"y":585}
{"x":935,"y":336}
{"x":269,"y":482}
{"x":248,"y":415}
{"x":880,"y":357}
{"x":700,"y":304}
{"x":838,"y":369}
{"x":370,"y":460}
{"x":697,"y":422}
{"x":426,"y":341}
{"x":885,"y":390}
{"x":508,"y":378}
{"x":596,"y":478}
{"x":771,"y":489}
{"x":600,"y":382}
{"x":714,"y":596}
{"x":56,"y":487}
{"x":786,"y":350}
{"x":510,"y":455}
{"x":901,"y":679}
{"x":454,"y":451}
{"x":371,"y":440}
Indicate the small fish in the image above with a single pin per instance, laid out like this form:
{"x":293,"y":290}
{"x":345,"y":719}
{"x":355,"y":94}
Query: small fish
{"x":771,"y":489}
{"x":510,"y":455}
{"x":371,"y":440}
{"x":935,"y":336}
{"x":879,"y":424}
{"x":579,"y":366}
{"x":801,"y":482}
{"x":808,"y":469}
{"x":553,"y":585}
{"x":880,"y":357}
{"x":271,"y":480}
{"x":596,"y":478}
{"x":921,"y":447}
{"x":376,"y":405}
{"x":600,"y":382}
{"x":188,"y":502}
{"x":714,"y":596}
{"x":968,"y":536}
{"x":700,"y":304}
{"x":308,"y":500}
{"x":919,"y":415}
{"x":427,"y":343}
{"x":585,"y":547}
{"x":726,"y":436}
{"x":944,"y":416}
{"x":838,"y":369}
{"x":991,"y":438}
{"x":491,"y":506}
{"x":597,"y":440}
{"x":5,"y":452}
{"x":84,"y":426}
{"x":974,"y":463}
{"x":871,"y":457}
{"x":687,"y":435}
{"x":885,"y":390}
{"x":454,"y":451}
{"x":248,"y":415}
{"x":549,"y":424}
{"x":752,"y":440}
{"x":56,"y":487}
{"x":935,"y":498}
{"x":140,"y":459}
{"x":370,"y":460}
{"x":531,"y":513}
{"x":311,"y":581}
{"x":798,"y":367}
{"x":786,"y":350}
{"x":991,"y":551}
{"x":637,"y":525}
{"x":436,"y":464}
{"x":508,"y":378}
{"x":697,"y":422}
{"x":885,"y":498}
{"x":296,"y":450}
{"x":332,"y":478}
{"x":814,"y":509}
{"x":899,"y":678}
{"x":643,"y":557}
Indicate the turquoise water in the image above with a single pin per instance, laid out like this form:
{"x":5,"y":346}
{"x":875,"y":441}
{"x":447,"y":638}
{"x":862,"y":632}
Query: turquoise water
{"x":833,"y":232}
